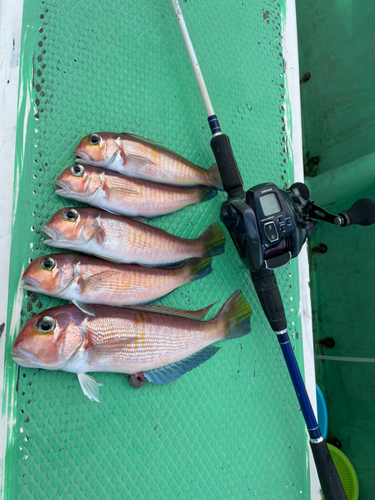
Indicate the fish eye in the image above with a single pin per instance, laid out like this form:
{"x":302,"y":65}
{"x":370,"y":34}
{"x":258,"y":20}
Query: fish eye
{"x":48,"y":263}
{"x":46,"y":324}
{"x":94,"y":139}
{"x":77,"y":170}
{"x":70,"y":214}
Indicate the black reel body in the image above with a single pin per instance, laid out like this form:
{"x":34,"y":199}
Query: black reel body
{"x":271,"y":226}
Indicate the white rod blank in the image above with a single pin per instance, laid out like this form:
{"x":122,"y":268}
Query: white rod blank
{"x":193,"y":59}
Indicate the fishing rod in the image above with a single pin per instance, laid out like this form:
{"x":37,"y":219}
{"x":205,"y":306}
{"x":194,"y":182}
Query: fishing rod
{"x":268,"y":227}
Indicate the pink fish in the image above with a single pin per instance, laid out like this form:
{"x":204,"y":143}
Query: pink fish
{"x":160,"y":346}
{"x":124,"y":240}
{"x":136,"y":156}
{"x":125,"y":195}
{"x":86,"y":280}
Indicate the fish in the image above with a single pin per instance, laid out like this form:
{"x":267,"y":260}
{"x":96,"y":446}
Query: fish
{"x":87,"y":280}
{"x":159,"y":345}
{"x":123,"y":240}
{"x":124,"y":195}
{"x":136,"y":156}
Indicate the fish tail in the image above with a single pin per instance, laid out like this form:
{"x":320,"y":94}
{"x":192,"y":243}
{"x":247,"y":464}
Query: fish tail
{"x":214,"y":240}
{"x":207,"y":193}
{"x":215,"y":177}
{"x":235,"y":314}
{"x":199,"y":268}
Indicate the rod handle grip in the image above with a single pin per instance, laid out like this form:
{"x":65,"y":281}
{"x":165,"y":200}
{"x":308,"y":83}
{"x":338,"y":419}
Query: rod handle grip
{"x":269,"y":296}
{"x":229,"y":173}
{"x":328,"y":476}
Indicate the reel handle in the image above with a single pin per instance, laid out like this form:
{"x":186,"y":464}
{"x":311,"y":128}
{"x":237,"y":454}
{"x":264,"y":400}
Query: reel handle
{"x":362,"y":213}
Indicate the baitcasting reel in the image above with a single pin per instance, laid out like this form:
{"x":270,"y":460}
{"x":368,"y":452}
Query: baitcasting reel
{"x":271,"y":225}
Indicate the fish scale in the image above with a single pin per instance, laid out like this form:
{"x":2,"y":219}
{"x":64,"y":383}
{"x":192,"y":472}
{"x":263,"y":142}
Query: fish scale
{"x":125,"y":195}
{"x":153,"y":336}
{"x":138,"y":157}
{"x":162,"y":346}
{"x":125,"y":240}
{"x":86,"y":280}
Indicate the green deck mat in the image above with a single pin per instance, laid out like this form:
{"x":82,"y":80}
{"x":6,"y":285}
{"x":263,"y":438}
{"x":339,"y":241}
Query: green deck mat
{"x":232,"y":427}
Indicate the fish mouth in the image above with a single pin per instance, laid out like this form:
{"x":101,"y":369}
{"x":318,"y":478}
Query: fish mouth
{"x":58,"y":240}
{"x":25,"y":358}
{"x":66,"y":191}
{"x":84,"y":158}
{"x":64,"y":188}
{"x":53,"y":234}
{"x":31,"y":285}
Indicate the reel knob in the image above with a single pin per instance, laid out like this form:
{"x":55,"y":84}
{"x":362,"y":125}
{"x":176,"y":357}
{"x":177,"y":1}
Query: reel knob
{"x":362,"y":213}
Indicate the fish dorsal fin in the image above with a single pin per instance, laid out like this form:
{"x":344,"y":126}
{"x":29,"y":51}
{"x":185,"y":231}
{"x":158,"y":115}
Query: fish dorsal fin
{"x":141,"y":138}
{"x":89,"y":386}
{"x":180,"y":313}
{"x":173,"y":371}
{"x":141,"y":219}
{"x":175,"y":265}
{"x":158,"y":146}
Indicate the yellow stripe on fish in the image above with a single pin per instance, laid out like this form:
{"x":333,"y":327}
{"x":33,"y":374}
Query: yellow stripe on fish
{"x":86,"y":280}
{"x":124,"y":240}
{"x":139,"y":157}
{"x":126,"y":195}
{"x":159,"y":346}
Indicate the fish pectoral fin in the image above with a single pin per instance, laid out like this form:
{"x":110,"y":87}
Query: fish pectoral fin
{"x":90,"y":386}
{"x":173,"y":371}
{"x":86,"y":308}
{"x":104,"y":182}
{"x":99,"y":280}
{"x":99,"y":236}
